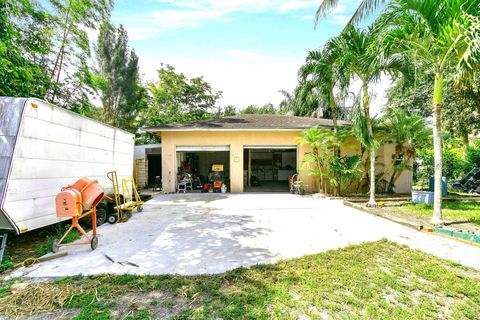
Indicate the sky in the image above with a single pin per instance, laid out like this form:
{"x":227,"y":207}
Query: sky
{"x":247,"y":49}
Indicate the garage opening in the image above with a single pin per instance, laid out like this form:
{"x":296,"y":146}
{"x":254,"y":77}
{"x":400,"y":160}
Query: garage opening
{"x":154,"y":168}
{"x":203,"y":168}
{"x":268,"y":168}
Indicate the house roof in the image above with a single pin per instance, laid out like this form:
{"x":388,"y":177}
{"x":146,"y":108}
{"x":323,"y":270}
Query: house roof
{"x":249,"y":122}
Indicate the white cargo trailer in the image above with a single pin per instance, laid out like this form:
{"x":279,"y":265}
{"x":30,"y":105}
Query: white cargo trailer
{"x":44,"y":148}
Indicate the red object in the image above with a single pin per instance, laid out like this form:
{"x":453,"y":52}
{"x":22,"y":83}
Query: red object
{"x":217,"y":184}
{"x":68,"y":203}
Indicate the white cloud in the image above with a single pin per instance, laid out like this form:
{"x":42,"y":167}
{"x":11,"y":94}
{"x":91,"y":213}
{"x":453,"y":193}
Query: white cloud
{"x":297,"y":5}
{"x":182,"y":14}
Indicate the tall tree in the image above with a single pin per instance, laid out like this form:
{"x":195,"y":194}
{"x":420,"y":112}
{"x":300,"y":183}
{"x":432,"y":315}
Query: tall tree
{"x":25,"y":41}
{"x":72,"y":47}
{"x":117,"y":78}
{"x":439,"y":34}
{"x":319,"y":72}
{"x":363,"y":59}
{"x":176,"y":98}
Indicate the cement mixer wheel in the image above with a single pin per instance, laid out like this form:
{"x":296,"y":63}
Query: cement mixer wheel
{"x":55,"y":246}
{"x":102,"y":210}
{"x":94,"y":242}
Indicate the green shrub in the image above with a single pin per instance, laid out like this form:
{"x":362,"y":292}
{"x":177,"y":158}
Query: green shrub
{"x":473,"y":155}
{"x":6,"y":262}
{"x":453,"y":165}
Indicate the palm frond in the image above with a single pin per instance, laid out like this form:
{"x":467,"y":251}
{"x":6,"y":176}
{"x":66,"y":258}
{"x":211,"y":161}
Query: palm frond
{"x":365,"y":8}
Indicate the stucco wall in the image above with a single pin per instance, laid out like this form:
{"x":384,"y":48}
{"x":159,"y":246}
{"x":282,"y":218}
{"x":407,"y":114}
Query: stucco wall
{"x":237,"y":140}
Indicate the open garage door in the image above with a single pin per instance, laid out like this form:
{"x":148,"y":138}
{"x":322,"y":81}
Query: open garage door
{"x":213,"y":148}
{"x":207,"y":165}
{"x":267,"y":168}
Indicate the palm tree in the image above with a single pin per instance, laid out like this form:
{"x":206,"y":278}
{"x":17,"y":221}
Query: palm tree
{"x":440,"y":34}
{"x":365,"y":8}
{"x":408,"y":133}
{"x":317,"y":162}
{"x":363,"y":59}
{"x":319,"y":74}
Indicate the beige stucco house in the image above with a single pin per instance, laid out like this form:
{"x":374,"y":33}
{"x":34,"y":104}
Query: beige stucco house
{"x":258,"y":152}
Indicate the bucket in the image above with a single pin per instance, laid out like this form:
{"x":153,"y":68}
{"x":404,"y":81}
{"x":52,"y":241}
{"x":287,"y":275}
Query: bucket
{"x":92,"y":192}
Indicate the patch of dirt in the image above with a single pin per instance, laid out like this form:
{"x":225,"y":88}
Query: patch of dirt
{"x":159,"y":304}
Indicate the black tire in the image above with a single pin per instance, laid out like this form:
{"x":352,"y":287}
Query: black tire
{"x":127,"y":214}
{"x":102,"y":211}
{"x":112,"y":218}
{"x":139,"y":208}
{"x":55,"y":246}
{"x":94,"y":243}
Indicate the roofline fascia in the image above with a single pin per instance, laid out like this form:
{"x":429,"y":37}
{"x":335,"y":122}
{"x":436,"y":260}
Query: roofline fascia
{"x":225,"y":129}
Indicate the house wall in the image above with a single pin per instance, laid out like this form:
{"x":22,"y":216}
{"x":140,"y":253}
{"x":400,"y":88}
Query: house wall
{"x":238,"y":139}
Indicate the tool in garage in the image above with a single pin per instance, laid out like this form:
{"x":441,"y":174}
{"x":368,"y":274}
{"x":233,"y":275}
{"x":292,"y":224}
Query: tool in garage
{"x":77,"y":201}
{"x":217,"y":177}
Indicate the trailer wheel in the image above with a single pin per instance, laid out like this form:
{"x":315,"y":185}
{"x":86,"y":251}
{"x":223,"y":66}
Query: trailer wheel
{"x":112,"y":219}
{"x":127,"y":214}
{"x":101,"y":214}
{"x":139,"y":208}
{"x":55,"y":246}
{"x":94,"y":242}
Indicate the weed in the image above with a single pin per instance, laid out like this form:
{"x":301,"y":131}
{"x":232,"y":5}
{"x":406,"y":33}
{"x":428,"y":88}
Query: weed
{"x":46,"y":247}
{"x":139,"y":315}
{"x":6,"y":262}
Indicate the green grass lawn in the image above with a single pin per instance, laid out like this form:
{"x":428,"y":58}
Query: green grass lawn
{"x":379,"y":280}
{"x":452,"y":211}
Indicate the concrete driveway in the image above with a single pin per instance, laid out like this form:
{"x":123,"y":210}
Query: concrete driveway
{"x":212,"y":233}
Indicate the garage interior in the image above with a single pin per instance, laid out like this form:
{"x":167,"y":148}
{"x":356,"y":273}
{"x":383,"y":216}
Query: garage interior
{"x":201,"y":165}
{"x":154,"y":167}
{"x":267,"y":169}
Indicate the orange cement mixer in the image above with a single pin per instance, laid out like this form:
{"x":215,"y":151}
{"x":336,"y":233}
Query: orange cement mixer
{"x":77,"y":201}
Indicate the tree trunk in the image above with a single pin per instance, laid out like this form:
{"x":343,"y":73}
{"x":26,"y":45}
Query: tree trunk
{"x":58,"y":77}
{"x":437,"y":149}
{"x":465,"y":142}
{"x":66,"y":31}
{"x":336,"y":150}
{"x":366,"y":110}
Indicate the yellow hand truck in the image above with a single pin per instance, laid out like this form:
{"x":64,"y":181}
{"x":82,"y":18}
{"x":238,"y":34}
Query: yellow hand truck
{"x":126,"y":201}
